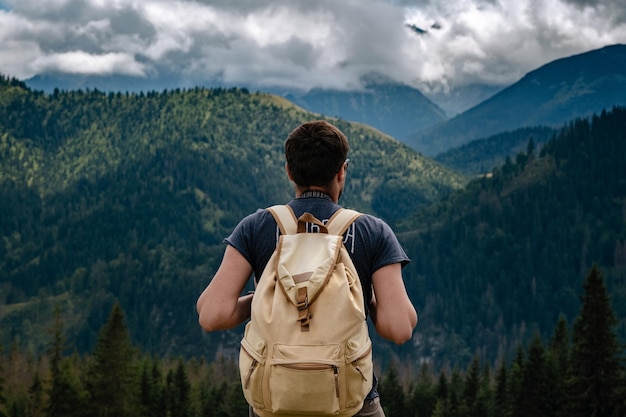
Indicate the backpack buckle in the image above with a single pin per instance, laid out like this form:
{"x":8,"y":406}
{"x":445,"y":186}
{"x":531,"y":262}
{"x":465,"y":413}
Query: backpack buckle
{"x":304,"y":316}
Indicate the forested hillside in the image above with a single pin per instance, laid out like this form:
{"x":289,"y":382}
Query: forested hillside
{"x":578,"y":371}
{"x":507,"y":255}
{"x":480,"y":156}
{"x":126,"y":198}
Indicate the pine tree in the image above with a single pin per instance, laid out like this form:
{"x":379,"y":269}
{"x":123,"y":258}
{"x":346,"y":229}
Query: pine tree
{"x":442,"y":394}
{"x":502,"y":401}
{"x":470,"y":389}
{"x":110,"y":381}
{"x":145,"y":390}
{"x":515,"y":383}
{"x":423,"y":396}
{"x":179,"y":391}
{"x":3,"y":400}
{"x":64,"y":397}
{"x":440,"y":409}
{"x":534,"y":381}
{"x":391,"y":392}
{"x":456,"y":386}
{"x":35,"y":397}
{"x":153,"y":403}
{"x":557,"y":371}
{"x":235,"y":404}
{"x":596,"y":378}
{"x":484,"y":403}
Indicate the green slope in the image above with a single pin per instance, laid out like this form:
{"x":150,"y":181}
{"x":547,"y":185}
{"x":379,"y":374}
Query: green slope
{"x":480,"y":156}
{"x":508,"y":255}
{"x":127,"y":197}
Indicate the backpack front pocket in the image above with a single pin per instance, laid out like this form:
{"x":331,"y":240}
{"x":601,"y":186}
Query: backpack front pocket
{"x":305,"y":380}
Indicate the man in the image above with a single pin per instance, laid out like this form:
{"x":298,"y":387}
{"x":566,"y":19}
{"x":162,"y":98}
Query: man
{"x":317,"y":164}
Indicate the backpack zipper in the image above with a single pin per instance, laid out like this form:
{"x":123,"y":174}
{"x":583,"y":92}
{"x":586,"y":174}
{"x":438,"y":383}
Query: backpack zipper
{"x":356,"y":366}
{"x":252,"y":367}
{"x":359,"y":371}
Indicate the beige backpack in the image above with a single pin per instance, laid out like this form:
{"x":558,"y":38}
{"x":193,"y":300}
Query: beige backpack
{"x":306,"y":350}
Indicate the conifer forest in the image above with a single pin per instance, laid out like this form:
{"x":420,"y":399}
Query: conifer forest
{"x":576,"y":372}
{"x":114,"y":208}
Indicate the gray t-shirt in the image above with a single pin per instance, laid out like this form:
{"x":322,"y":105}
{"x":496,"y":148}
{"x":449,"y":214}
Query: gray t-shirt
{"x":370,"y":241}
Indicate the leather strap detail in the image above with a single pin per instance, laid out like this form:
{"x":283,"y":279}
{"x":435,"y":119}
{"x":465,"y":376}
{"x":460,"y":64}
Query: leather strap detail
{"x":304,"y":316}
{"x":298,"y":278}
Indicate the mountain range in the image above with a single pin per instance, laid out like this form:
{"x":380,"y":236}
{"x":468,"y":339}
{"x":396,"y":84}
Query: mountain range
{"x":574,"y":86}
{"x":551,"y":95}
{"x":126,"y":197}
{"x":393,"y":108}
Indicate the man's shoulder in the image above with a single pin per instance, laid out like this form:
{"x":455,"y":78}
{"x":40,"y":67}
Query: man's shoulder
{"x":257,"y":218}
{"x":371,"y":221}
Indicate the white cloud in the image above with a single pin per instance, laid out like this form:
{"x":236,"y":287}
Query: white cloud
{"x":323,"y":43}
{"x":498,"y":42}
{"x":79,"y":62}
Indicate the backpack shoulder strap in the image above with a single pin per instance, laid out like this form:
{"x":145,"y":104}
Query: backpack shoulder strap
{"x":285,"y":218}
{"x":341,"y":220}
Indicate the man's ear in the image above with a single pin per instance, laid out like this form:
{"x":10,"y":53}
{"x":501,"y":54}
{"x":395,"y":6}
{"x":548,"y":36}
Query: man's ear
{"x":288,"y":172}
{"x":341,"y":174}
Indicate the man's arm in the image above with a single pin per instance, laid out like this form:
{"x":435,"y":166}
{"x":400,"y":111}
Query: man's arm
{"x":220,"y":306}
{"x":391,"y":309}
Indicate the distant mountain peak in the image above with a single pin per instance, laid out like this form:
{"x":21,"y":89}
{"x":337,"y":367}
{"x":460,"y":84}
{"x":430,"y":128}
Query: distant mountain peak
{"x":551,"y":95}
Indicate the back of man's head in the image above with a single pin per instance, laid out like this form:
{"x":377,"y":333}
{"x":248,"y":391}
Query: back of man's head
{"x":315,"y":152}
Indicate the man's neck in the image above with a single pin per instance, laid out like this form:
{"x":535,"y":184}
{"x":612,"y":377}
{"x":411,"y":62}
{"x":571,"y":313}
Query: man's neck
{"x":315,"y":191}
{"x":314,"y":194}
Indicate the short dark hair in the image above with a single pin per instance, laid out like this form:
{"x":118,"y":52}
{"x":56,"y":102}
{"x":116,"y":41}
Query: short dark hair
{"x":315,"y":152}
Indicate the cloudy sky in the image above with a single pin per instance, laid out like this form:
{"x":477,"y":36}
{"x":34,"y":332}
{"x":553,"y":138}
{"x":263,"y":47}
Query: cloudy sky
{"x":303,"y":43}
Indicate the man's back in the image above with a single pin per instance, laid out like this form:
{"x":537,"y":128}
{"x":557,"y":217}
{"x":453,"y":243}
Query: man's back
{"x":317,"y":163}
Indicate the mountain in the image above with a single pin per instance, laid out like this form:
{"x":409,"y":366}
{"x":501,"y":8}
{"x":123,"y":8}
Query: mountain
{"x":393,"y":108}
{"x":118,"y":83}
{"x":462,"y":98}
{"x":555,"y":93}
{"x":506,"y":257}
{"x":126,"y":198}
{"x":48,"y":82}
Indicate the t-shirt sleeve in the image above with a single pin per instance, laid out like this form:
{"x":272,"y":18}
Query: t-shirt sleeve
{"x":260,"y":226}
{"x":385,"y":246}
{"x":239,"y":237}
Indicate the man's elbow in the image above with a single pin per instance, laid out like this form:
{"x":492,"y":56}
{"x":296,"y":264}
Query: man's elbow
{"x":397,"y":336}
{"x":397,"y":331}
{"x":208,"y":321}
{"x":205,"y":324}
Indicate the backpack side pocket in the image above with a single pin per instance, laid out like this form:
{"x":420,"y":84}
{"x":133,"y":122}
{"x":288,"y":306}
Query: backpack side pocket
{"x":251,"y":366}
{"x":359,"y":369}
